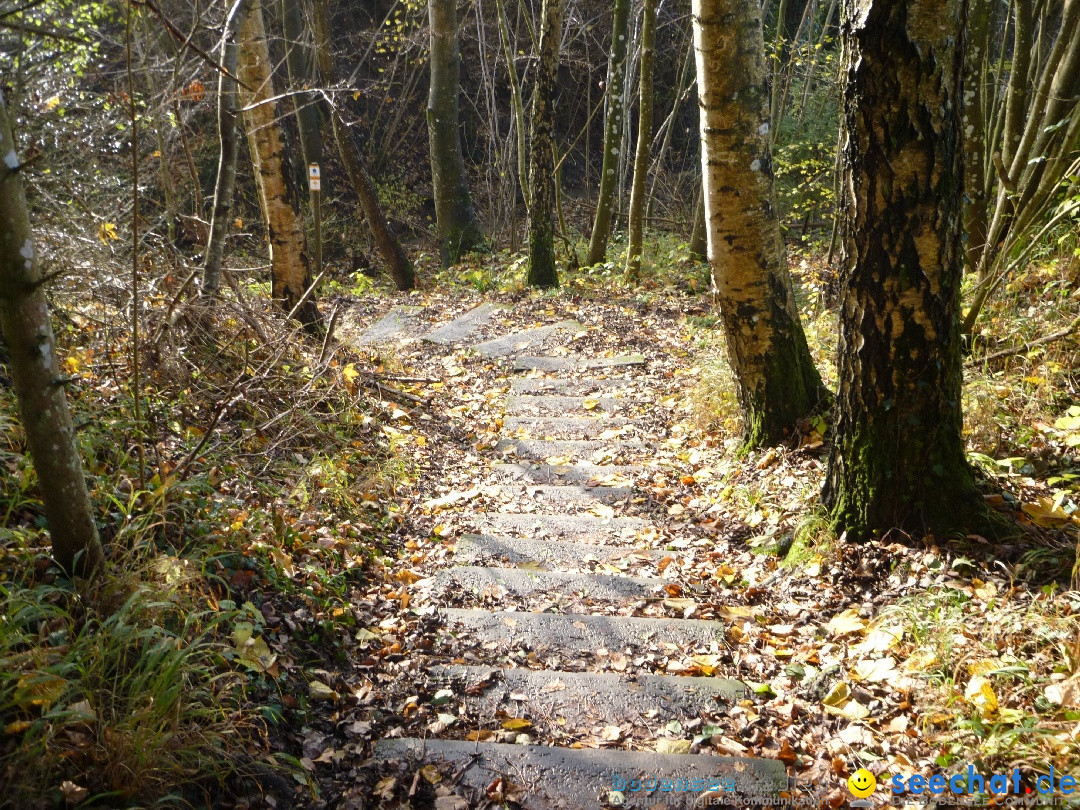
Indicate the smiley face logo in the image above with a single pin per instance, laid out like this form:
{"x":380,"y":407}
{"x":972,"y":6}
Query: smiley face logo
{"x":862,"y":783}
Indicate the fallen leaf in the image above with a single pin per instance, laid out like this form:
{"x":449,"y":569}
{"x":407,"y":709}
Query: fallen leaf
{"x":673,"y":746}
{"x":846,"y":623}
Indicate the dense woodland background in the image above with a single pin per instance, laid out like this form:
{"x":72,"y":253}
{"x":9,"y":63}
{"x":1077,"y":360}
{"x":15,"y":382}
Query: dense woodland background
{"x":224,"y":443}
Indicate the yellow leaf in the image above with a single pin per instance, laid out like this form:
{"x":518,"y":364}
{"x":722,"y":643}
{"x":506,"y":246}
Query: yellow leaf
{"x":726,"y":573}
{"x":875,"y":671}
{"x":602,"y":510}
{"x":479,"y":735}
{"x":238,"y":223}
{"x":516,"y":724}
{"x":350,"y":373}
{"x":846,"y":623}
{"x":673,"y":746}
{"x":981,"y":695}
{"x":107,"y":231}
{"x":40,"y":690}
{"x":17,"y":727}
{"x":1046,"y":512}
{"x":320,"y":691}
{"x":53,"y":103}
{"x":590,"y":404}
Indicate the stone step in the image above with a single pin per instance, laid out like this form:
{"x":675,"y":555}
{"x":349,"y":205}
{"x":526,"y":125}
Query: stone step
{"x":486,"y":549}
{"x":475,"y":579}
{"x":566,"y":473}
{"x":582,"y":528}
{"x":462,"y":326}
{"x":580,"y":387}
{"x":521,"y":341}
{"x":573,"y":494}
{"x":551,"y":405}
{"x":401,"y":319}
{"x":572,"y":779}
{"x":580,"y":632}
{"x":566,"y":427}
{"x":544,"y":449}
{"x":576,"y":362}
{"x":589,"y":697}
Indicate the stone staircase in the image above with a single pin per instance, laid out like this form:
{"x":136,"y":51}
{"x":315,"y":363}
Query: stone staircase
{"x":547,"y":552}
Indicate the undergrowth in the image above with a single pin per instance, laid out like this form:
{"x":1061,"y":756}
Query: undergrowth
{"x":154,"y":684}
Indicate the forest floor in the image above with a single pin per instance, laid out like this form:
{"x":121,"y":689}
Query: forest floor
{"x":909,"y":656}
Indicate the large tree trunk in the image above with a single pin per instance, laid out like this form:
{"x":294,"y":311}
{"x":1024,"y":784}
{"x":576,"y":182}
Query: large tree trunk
{"x":24,"y":318}
{"x":613,"y":132}
{"x":401,"y":269}
{"x":278,"y":195}
{"x":542,"y":272}
{"x":636,"y":225}
{"x":775,"y":375}
{"x":229,"y":143}
{"x":459,"y":230}
{"x":897,"y":461}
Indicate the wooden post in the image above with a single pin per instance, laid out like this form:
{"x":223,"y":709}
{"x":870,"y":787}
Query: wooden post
{"x":315,"y":184}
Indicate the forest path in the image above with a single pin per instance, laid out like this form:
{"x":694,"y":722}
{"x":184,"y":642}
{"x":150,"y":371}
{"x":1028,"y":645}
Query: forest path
{"x":549,"y":667}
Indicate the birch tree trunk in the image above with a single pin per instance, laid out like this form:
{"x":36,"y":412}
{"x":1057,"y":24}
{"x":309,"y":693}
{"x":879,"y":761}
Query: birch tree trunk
{"x":459,"y":230}
{"x":278,"y":195}
{"x":24,"y":319}
{"x":229,"y":145}
{"x":636,"y":225}
{"x":542,"y":272}
{"x":613,"y":132}
{"x":776,"y":379}
{"x":898,"y":461}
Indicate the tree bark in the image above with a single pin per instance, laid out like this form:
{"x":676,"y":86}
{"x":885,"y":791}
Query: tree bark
{"x":897,"y":462}
{"x":613,"y":132}
{"x":542,"y":272}
{"x":229,"y":143}
{"x":459,"y":229}
{"x":278,"y":195}
{"x":776,"y":379}
{"x":636,"y":225}
{"x":24,"y":318}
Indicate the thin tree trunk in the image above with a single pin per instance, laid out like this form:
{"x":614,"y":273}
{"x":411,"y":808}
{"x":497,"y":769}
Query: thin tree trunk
{"x":613,"y":134}
{"x":636,"y":225}
{"x":401,"y":269}
{"x":459,"y":229}
{"x":515,"y":102}
{"x":897,"y":462}
{"x":278,"y":195}
{"x":24,"y":319}
{"x":777,"y":382}
{"x":542,"y":272}
{"x":975,"y":65}
{"x":227,"y":157}
{"x":699,"y":246}
{"x":301,"y":69}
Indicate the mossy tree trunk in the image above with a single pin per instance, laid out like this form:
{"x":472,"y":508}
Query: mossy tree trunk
{"x":897,"y":462}
{"x":229,"y":151}
{"x":24,"y":319}
{"x":542,"y":272}
{"x":777,"y":382}
{"x":613,"y":132}
{"x":278,"y":196}
{"x":459,"y":229}
{"x":636,"y":224}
